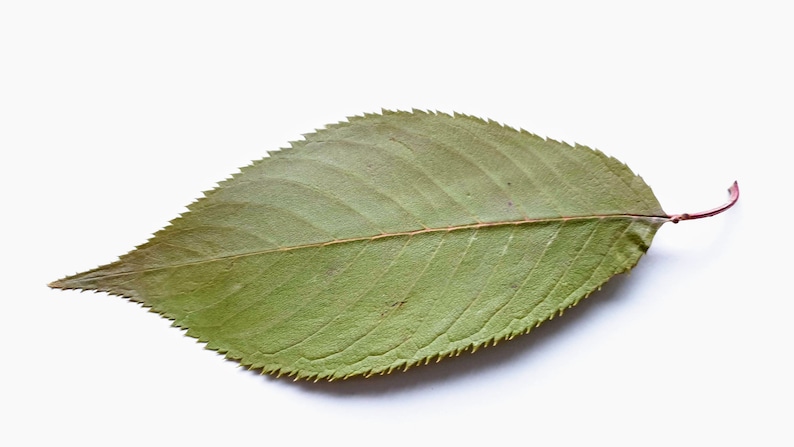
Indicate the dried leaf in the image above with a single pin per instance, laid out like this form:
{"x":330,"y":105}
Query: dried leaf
{"x":388,"y":241}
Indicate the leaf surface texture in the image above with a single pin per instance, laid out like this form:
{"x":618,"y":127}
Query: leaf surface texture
{"x":387,"y":241}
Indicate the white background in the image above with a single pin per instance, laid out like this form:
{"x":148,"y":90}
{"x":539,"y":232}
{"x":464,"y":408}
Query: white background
{"x":115,"y":115}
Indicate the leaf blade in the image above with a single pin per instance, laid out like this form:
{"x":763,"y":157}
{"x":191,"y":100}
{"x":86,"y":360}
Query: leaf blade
{"x":335,"y":257}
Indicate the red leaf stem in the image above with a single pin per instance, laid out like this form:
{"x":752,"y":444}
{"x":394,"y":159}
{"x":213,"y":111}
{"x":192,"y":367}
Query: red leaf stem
{"x":734,"y":196}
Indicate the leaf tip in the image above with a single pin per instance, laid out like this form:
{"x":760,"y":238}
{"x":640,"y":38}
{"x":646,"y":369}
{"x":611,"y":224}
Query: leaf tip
{"x":62,"y":284}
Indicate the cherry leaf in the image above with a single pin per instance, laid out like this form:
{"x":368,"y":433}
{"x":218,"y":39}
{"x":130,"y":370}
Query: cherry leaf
{"x":390,"y":240}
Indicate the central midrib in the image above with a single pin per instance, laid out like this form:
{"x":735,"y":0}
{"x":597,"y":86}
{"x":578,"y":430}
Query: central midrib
{"x":412,"y":233}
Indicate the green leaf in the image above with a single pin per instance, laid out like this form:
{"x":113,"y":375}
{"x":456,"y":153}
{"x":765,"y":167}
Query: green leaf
{"x":388,"y":241}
